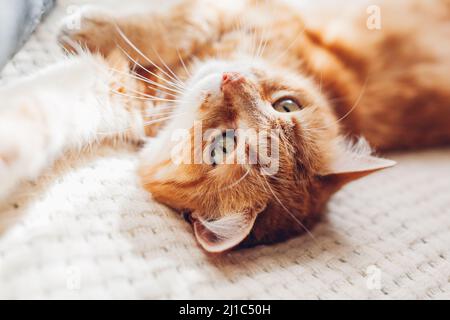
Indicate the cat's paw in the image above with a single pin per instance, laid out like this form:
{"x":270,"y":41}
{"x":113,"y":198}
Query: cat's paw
{"x":89,"y":28}
{"x":10,"y":154}
{"x":19,"y":152}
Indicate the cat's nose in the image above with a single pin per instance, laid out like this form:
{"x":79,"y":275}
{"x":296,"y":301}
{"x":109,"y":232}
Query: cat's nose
{"x":231,"y":79}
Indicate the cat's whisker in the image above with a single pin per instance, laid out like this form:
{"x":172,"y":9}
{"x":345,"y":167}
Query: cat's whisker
{"x":238,"y":28}
{"x":262,"y":42}
{"x":147,"y":123}
{"x":170,"y":83}
{"x":142,"y":98}
{"x":163,"y":92}
{"x":254,"y":41}
{"x":236,"y":182}
{"x":159,"y":120}
{"x":127,"y":88}
{"x":266,"y":41}
{"x":116,"y":133}
{"x":158,"y":90}
{"x":237,"y":25}
{"x":287,"y":143}
{"x":164,"y":113}
{"x":256,"y":55}
{"x":257,"y":42}
{"x":133,"y":46}
{"x":149,"y":115}
{"x":337,"y":99}
{"x":175,"y":77}
{"x":358,"y":100}
{"x":161,"y":87}
{"x":152,"y":117}
{"x":163,"y":107}
{"x":245,"y":30}
{"x":140,"y":93}
{"x":150,"y":82}
{"x":79,"y":48}
{"x":289,"y":212}
{"x":137,"y":76}
{"x":321,"y":81}
{"x":151,"y":96}
{"x":154,"y":98}
{"x":284,"y":52}
{"x":183,"y":64}
{"x":355,"y":105}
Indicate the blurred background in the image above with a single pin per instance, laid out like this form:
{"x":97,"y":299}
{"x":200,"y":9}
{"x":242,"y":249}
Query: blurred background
{"x":18,"y":19}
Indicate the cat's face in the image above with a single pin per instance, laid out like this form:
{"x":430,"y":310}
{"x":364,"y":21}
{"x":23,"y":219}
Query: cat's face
{"x":253,"y":152}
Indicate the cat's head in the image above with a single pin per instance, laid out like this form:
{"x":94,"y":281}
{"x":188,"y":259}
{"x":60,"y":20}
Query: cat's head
{"x":232,"y":111}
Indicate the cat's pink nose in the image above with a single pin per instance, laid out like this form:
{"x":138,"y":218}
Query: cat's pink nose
{"x":229,"y":79}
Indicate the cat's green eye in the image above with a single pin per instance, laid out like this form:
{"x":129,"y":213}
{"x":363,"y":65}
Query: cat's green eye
{"x":286,"y":105}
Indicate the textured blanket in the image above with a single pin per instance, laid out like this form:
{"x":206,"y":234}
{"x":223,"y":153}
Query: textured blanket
{"x":86,"y":229}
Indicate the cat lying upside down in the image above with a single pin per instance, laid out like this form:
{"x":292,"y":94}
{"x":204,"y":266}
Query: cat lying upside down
{"x":314,"y":77}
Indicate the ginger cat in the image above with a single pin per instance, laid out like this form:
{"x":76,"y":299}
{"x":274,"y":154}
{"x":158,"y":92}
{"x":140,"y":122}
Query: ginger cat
{"x":314,"y":75}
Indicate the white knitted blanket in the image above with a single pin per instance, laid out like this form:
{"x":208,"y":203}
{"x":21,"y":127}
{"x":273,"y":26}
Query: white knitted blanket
{"x":87,"y":230}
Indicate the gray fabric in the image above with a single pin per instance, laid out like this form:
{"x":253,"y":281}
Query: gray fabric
{"x":18,"y":20}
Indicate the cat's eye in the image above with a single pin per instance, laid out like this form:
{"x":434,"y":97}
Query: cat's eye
{"x":222,"y":146}
{"x":286,"y":105}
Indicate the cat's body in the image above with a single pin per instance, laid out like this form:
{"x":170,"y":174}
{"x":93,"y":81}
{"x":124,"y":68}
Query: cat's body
{"x":402,"y":67}
{"x":227,"y":64}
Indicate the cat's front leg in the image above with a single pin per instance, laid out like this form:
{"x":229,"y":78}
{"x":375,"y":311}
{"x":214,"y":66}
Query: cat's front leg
{"x":21,"y":146}
{"x":62,"y":108}
{"x":148,"y":35}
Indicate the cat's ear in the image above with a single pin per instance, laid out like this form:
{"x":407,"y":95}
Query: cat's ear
{"x":225,"y":233}
{"x":353,"y":162}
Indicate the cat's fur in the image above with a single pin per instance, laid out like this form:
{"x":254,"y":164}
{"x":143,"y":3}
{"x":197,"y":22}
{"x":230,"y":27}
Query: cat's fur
{"x":389,"y":85}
